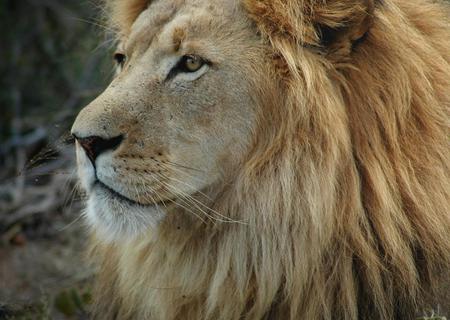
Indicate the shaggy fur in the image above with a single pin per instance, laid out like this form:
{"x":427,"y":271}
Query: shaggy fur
{"x":345,"y":192}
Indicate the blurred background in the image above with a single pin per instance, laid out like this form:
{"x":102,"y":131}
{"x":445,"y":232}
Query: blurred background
{"x":55,"y":58}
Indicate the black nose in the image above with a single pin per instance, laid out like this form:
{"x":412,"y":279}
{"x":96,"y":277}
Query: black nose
{"x":94,"y":145}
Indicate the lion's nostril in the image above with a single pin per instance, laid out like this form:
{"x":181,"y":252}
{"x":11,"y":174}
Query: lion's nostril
{"x":94,"y":145}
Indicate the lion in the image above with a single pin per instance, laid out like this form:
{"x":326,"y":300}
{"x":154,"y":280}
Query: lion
{"x":270,"y":159}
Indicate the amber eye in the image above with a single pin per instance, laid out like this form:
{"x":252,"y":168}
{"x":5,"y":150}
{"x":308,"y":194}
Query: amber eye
{"x":187,"y":64}
{"x":191,"y":63}
{"x":120,"y":59}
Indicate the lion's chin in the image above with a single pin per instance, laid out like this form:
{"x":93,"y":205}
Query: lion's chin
{"x":114,"y":219}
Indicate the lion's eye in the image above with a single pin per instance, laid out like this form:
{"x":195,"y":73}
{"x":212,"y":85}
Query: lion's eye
{"x":191,"y":63}
{"x":120,"y":59}
{"x":187,"y":64}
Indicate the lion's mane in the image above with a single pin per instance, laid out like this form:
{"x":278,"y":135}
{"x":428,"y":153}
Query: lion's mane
{"x":346,"y":191}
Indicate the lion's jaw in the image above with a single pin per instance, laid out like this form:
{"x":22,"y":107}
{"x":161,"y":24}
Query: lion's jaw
{"x":182,"y":131}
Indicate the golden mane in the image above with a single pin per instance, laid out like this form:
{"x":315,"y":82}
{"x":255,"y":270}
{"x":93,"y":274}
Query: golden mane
{"x":346,"y":200}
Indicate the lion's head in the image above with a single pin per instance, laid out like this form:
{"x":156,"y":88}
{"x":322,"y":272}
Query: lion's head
{"x":178,"y":118}
{"x":270,"y":158}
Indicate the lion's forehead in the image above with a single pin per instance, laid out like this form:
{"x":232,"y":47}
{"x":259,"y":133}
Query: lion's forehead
{"x":186,"y":14}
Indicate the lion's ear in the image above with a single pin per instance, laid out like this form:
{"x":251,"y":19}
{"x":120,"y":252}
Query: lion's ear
{"x":339,"y":22}
{"x":333,"y":25}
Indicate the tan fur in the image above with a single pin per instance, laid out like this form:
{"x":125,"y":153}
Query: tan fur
{"x":344,"y":190}
{"x":124,"y":13}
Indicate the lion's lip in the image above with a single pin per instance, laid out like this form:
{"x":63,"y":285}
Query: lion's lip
{"x":122,"y":197}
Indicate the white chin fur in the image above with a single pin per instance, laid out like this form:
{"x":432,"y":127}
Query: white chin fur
{"x":110,"y":218}
{"x":114,"y":220}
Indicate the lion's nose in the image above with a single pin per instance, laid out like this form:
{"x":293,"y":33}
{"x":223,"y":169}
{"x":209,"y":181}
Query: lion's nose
{"x":94,"y":145}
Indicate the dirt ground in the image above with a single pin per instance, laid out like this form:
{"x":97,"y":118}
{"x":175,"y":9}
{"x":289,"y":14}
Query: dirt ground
{"x":43,"y":274}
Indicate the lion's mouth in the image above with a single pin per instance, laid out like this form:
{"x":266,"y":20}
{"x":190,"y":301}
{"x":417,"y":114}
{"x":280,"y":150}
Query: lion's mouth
{"x":117,"y":195}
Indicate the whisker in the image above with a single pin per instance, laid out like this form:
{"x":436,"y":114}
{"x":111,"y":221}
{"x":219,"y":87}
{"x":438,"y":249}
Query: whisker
{"x":95,"y":24}
{"x":144,"y":185}
{"x":176,"y":192}
{"x":187,"y":209}
{"x":70,"y":223}
{"x":182,"y":166}
{"x":188,"y":185}
{"x":137,"y":194}
{"x":72,"y":193}
{"x":176,"y":203}
{"x":183,"y":172}
{"x":194,"y":201}
{"x":187,"y":202}
{"x":199,"y":202}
